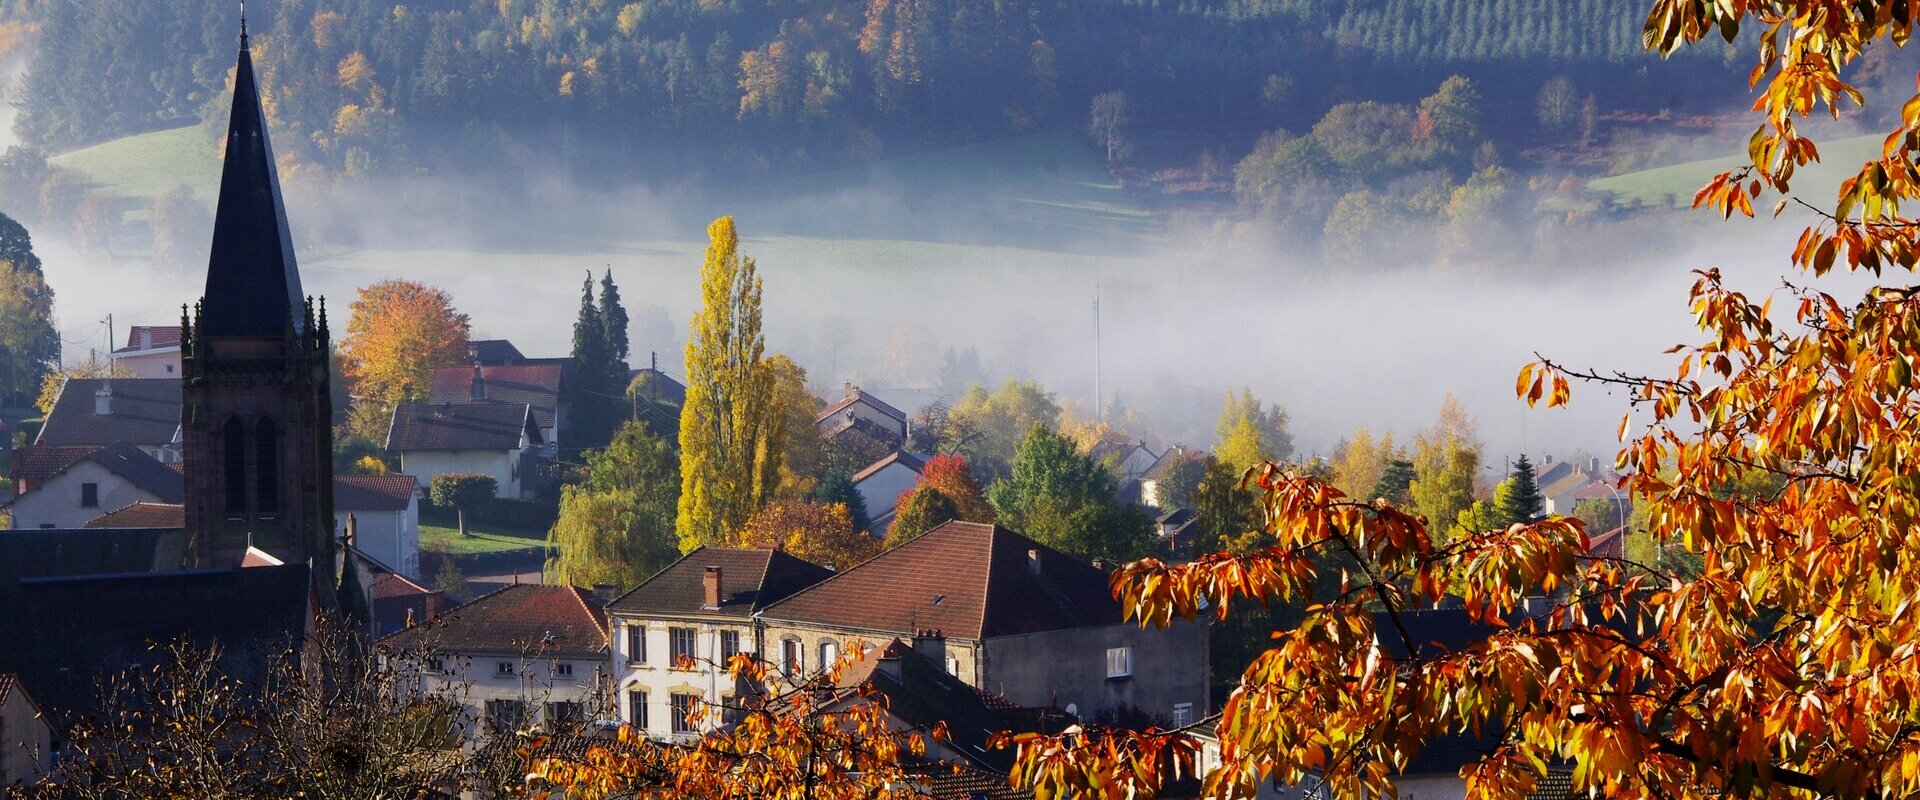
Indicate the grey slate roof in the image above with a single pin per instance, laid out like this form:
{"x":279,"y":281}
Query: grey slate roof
{"x":144,"y":412}
{"x":143,"y":471}
{"x":750,"y":580}
{"x":253,"y":283}
{"x":460,"y":426}
{"x":495,"y":351}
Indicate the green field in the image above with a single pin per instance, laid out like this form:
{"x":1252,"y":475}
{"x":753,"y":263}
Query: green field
{"x":479,"y":539}
{"x":1675,"y":185}
{"x":144,"y":166}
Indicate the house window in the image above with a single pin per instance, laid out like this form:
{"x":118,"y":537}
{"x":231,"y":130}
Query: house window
{"x":681,"y":640}
{"x":505,"y":716}
{"x":953,"y":665}
{"x":637,"y":708}
{"x":503,"y":668}
{"x":565,"y":713}
{"x":437,"y":664}
{"x":1182,"y":714}
{"x":829,"y":654}
{"x":233,"y":466}
{"x":89,"y":495}
{"x":266,"y":444}
{"x":636,"y":644}
{"x":729,"y":646}
{"x":683,"y":709}
{"x":1119,"y":663}
{"x":563,"y":670}
{"x":790,"y":656}
{"x":169,"y":369}
{"x":730,"y":710}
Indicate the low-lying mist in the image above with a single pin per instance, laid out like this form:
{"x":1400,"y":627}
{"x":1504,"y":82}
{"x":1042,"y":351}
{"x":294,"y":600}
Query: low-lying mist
{"x":872,"y":281}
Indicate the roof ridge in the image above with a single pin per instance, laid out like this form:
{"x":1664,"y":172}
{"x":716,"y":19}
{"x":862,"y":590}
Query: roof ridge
{"x":986,"y":590}
{"x":599,"y":620}
{"x":655,"y":576}
{"x":849,"y":570}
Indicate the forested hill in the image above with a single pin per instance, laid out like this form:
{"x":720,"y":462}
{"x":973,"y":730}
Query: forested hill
{"x":359,"y":83}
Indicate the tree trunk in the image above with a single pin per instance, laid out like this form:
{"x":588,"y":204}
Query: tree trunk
{"x":461,"y":514}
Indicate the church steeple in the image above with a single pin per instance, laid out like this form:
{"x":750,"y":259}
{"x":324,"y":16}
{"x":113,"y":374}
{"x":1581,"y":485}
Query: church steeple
{"x":253,"y":282}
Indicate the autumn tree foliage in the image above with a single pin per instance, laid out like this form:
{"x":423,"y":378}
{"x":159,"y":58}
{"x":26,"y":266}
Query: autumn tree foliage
{"x":799,"y":737}
{"x":1782,"y":667}
{"x":822,"y":533}
{"x":400,"y":331}
{"x":732,"y":429}
{"x":617,"y":526}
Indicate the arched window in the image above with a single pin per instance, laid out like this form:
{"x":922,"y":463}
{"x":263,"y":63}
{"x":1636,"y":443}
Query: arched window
{"x":266,"y":446}
{"x":233,"y":465}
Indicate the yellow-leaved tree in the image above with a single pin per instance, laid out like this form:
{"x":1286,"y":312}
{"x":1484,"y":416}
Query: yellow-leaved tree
{"x":732,"y":428}
{"x":1785,"y":666}
{"x":399,"y":333}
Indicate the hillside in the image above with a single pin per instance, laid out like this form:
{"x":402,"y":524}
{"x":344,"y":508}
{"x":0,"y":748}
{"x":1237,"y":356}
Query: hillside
{"x":1675,"y":185}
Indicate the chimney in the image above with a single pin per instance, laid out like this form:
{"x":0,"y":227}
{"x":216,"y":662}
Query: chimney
{"x":712,"y":583}
{"x":653,"y":357}
{"x":852,"y":390}
{"x":933,"y":645}
{"x":890,"y":665}
{"x":603,"y":592}
{"x":103,"y":400}
{"x":146,"y":338}
{"x":1033,"y":561}
{"x":479,"y":382}
{"x":1593,"y":466}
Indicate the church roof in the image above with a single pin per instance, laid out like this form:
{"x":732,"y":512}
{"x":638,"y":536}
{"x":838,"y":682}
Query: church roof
{"x":253,"y":284}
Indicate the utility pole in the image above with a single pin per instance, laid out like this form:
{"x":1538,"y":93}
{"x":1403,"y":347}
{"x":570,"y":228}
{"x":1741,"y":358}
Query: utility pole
{"x":109,"y":321}
{"x":1098,"y":396}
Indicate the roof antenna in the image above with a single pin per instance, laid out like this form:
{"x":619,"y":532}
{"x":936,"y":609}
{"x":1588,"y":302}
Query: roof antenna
{"x":243,"y":24}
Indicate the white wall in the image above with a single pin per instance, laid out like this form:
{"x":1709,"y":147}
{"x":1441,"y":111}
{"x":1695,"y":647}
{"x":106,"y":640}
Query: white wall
{"x":26,"y":743}
{"x":865,"y":411}
{"x":882,"y":489}
{"x":661,"y":679}
{"x":393,"y":537}
{"x":473,"y":679}
{"x":503,"y":465}
{"x":156,"y":364}
{"x":56,"y":502}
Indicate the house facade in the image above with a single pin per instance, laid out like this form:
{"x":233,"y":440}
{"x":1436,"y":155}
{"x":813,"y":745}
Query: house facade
{"x":673,"y":635}
{"x":524,"y":655}
{"x":152,"y":351}
{"x":495,"y":439}
{"x":539,"y":384}
{"x":860,"y":407}
{"x":26,"y":739}
{"x":102,"y":481}
{"x":881,"y":483}
{"x":385,"y":510}
{"x":1014,"y":618}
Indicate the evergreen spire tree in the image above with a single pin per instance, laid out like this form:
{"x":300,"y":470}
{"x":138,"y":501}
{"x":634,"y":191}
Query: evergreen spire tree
{"x":613,"y":319}
{"x":1522,"y":502}
{"x":588,"y":389}
{"x":1396,"y":481}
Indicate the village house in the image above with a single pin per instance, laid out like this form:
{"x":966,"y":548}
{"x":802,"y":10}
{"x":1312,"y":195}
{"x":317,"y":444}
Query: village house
{"x":96,"y":412}
{"x":539,"y":385}
{"x":152,"y":351}
{"x":385,"y":510}
{"x":103,"y":480}
{"x":1148,"y":491}
{"x":498,"y":439}
{"x":862,"y":407}
{"x":495,"y":352}
{"x":881,"y":483}
{"x":26,"y":738}
{"x":674,"y":633}
{"x":1019,"y":619}
{"x":524,"y":655}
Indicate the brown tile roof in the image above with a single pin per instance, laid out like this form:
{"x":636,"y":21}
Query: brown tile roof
{"x":143,"y":515}
{"x":163,"y":336}
{"x":374,"y":492}
{"x":750,"y":580}
{"x":836,"y":431}
{"x":858,"y":396}
{"x":146,"y":411}
{"x":517,"y":618}
{"x":460,"y":426}
{"x":537,"y":385}
{"x":38,"y":461}
{"x":902,"y":457}
{"x":970,"y":580}
{"x":1609,"y":544}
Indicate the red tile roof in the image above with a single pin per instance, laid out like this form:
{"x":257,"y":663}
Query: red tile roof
{"x":34,"y":462}
{"x":537,"y":385}
{"x":901,"y":457}
{"x":1610,"y":544}
{"x":374,"y":492}
{"x":969,"y":580}
{"x":518,"y":618}
{"x":750,"y":580}
{"x":163,"y":336}
{"x":143,"y":515}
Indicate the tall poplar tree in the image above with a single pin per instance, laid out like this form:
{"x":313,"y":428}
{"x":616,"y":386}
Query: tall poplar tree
{"x":731,"y":428}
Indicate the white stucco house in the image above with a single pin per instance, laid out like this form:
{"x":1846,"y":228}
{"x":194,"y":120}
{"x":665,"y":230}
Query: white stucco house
{"x":498,"y":439}
{"x":859,"y":407}
{"x":26,"y":740}
{"x":385,"y":510}
{"x":881,"y":483}
{"x":674,"y":633}
{"x":152,"y":351}
{"x":93,"y":484}
{"x":525,"y":655}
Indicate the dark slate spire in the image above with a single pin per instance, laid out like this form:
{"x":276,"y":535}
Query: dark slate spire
{"x":253,"y":283}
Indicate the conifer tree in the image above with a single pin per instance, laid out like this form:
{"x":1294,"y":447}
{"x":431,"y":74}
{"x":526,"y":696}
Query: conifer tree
{"x":587,"y":423}
{"x":731,"y":429}
{"x":613,"y":321}
{"x":1521,"y":502}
